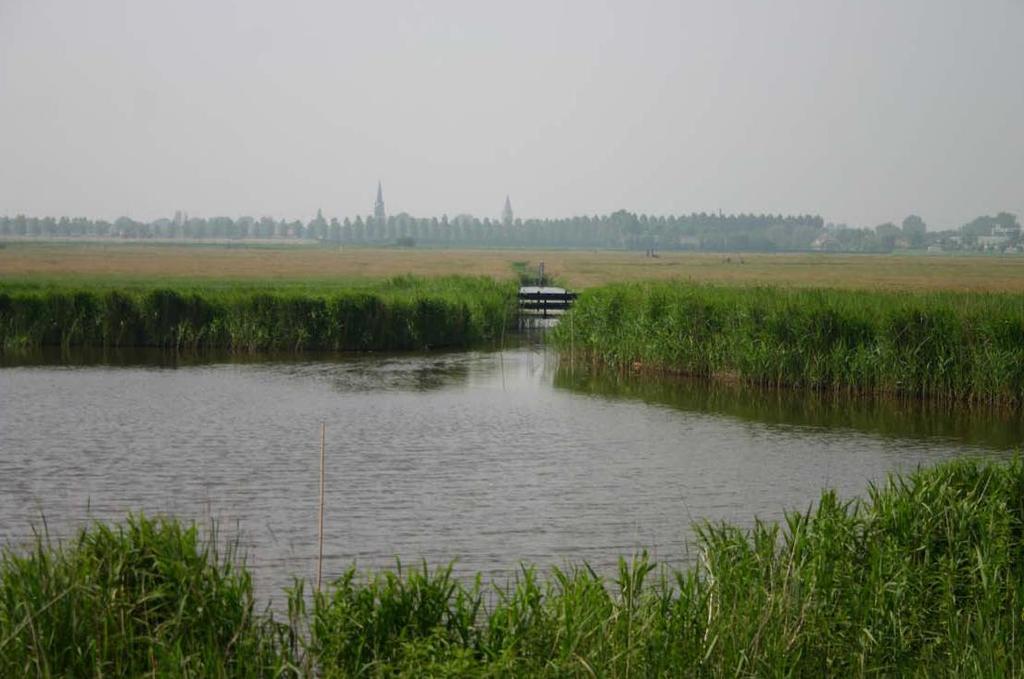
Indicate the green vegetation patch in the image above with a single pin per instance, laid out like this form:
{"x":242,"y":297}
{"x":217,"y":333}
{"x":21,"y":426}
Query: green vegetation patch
{"x":959,"y":347}
{"x":397,"y":314}
{"x":147,"y":598}
{"x":924,"y":577}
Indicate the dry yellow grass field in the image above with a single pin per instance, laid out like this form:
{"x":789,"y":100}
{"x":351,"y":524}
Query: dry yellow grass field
{"x":27,"y":262}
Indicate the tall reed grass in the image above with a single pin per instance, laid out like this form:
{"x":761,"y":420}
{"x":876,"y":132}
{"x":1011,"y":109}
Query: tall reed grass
{"x":147,"y":598}
{"x":958,"y":347}
{"x":398,"y":314}
{"x":924,"y":577}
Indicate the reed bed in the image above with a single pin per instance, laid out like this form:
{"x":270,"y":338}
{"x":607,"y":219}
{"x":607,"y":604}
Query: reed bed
{"x":925,"y":577}
{"x":966,"y":348}
{"x":147,"y":598}
{"x":398,"y":314}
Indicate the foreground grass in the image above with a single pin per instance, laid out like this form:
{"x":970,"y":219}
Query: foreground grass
{"x":924,"y":577}
{"x":954,"y":347}
{"x":400,"y":313}
{"x":144,"y":598}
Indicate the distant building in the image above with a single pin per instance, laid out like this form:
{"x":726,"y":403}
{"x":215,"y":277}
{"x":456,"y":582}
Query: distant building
{"x":993,"y":242}
{"x":826,"y":242}
{"x":507,"y":217}
{"x":379,"y":215}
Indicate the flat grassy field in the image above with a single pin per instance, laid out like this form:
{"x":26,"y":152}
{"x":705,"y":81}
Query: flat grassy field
{"x":117,"y":264}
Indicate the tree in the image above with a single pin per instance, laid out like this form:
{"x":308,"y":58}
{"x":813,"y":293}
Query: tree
{"x":914,"y":230}
{"x":627,"y":224}
{"x":887,"y":233}
{"x":980,"y":226}
{"x":317,"y":227}
{"x":1007,"y":221}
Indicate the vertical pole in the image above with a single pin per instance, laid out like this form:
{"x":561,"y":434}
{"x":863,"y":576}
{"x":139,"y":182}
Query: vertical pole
{"x":320,"y":558}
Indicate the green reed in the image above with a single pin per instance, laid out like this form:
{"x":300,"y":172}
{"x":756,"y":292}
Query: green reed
{"x":958,"y":347}
{"x":924,"y":577}
{"x":145,"y":598}
{"x":398,"y":314}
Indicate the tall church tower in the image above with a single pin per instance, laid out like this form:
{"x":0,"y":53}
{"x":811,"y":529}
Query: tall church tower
{"x":378,"y":207}
{"x":506,"y":214}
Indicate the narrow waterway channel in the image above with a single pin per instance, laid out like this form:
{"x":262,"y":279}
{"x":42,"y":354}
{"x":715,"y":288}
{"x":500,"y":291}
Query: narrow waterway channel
{"x":492,"y":458}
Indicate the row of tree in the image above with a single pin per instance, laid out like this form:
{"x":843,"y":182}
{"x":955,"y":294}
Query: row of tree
{"x":622,"y":229}
{"x":1001,"y":232}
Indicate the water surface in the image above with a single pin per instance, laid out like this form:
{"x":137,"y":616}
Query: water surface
{"x":492,"y":458}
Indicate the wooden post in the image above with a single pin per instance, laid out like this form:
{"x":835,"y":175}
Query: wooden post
{"x":320,"y":558}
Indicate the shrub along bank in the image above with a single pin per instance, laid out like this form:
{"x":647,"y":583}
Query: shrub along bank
{"x":963,"y":347}
{"x":399,"y":314}
{"x":924,"y":577}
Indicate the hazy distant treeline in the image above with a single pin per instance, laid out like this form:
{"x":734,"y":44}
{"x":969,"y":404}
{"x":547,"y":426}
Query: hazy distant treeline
{"x":619,"y":230}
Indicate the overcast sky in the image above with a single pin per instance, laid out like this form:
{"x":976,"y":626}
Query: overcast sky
{"x":861,"y":111}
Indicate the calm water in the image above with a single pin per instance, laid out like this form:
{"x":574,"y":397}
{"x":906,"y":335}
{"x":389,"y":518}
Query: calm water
{"x":493,"y":458}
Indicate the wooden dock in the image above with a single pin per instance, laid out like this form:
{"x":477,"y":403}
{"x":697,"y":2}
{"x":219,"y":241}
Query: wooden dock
{"x":544,"y":301}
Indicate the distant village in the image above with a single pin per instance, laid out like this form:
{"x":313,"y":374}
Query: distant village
{"x":1001,"y":233}
{"x":716,"y":232}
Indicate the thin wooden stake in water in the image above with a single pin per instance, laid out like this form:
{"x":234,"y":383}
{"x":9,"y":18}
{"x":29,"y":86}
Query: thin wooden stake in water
{"x":320,"y":559}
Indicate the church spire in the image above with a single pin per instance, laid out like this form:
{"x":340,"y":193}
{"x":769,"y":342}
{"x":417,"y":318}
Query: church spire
{"x":506,"y":214}
{"x":378,"y":206}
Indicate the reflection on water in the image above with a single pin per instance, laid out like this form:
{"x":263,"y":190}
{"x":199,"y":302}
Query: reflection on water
{"x":906,"y":419}
{"x":490,"y":457}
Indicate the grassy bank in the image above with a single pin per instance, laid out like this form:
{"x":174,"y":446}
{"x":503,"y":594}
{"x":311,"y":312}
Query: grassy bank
{"x":924,"y":577}
{"x":397,"y":314}
{"x":957,"y":347}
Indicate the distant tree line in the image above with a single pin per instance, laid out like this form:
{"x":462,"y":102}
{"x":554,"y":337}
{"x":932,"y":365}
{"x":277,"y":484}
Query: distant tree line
{"x":618,"y":230}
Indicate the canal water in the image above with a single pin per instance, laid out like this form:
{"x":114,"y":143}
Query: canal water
{"x":490,"y":458}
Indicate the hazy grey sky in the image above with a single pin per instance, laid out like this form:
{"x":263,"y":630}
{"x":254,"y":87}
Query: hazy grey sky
{"x":861,"y":111}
